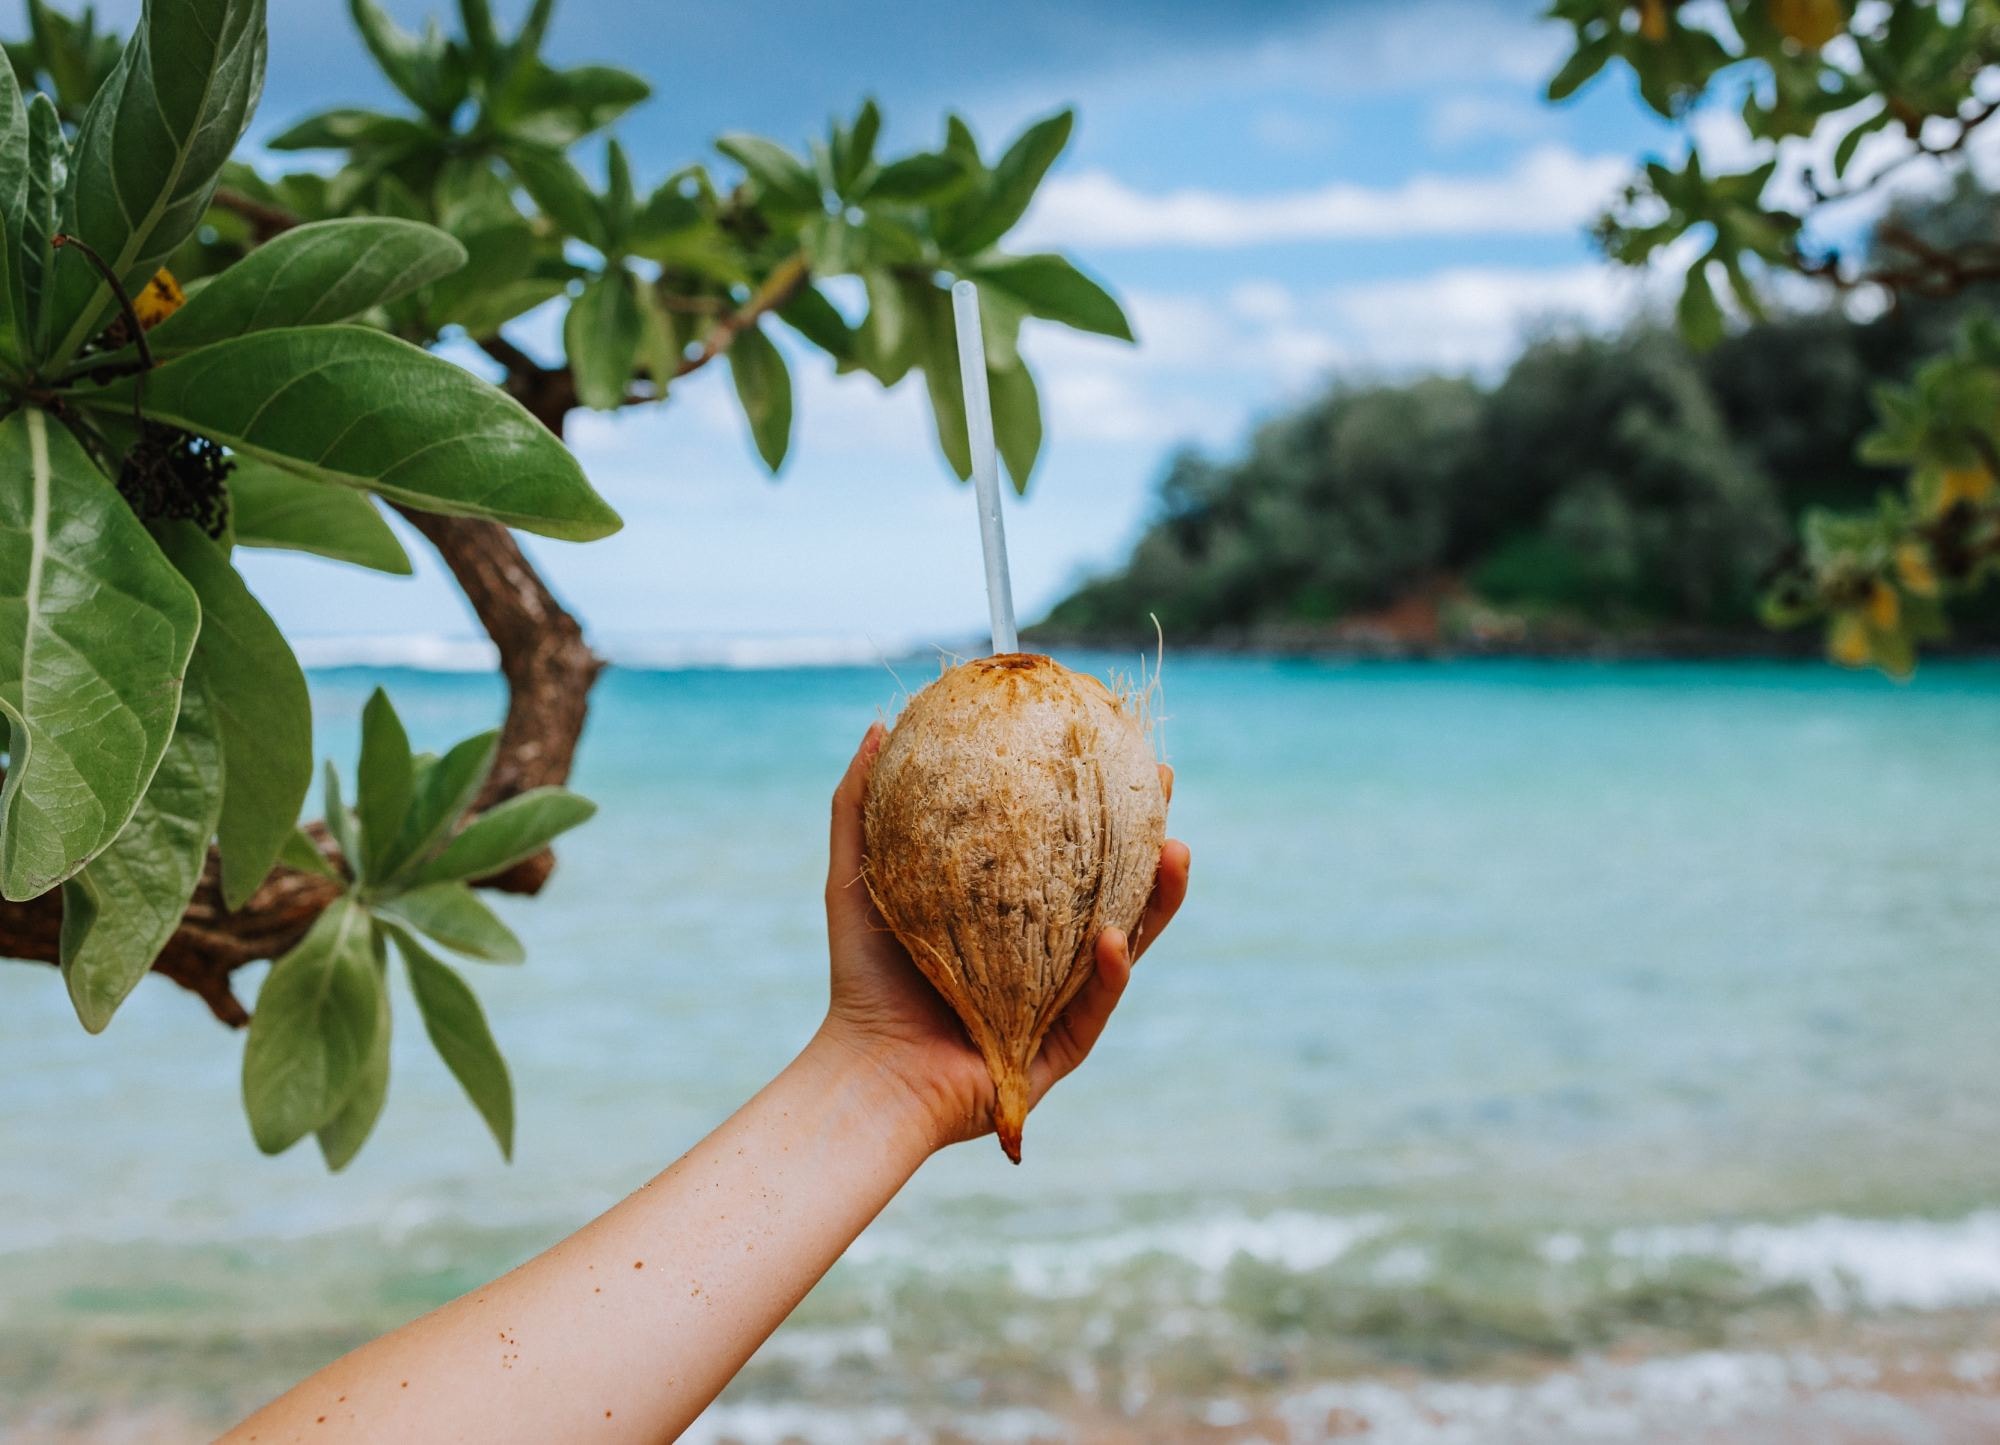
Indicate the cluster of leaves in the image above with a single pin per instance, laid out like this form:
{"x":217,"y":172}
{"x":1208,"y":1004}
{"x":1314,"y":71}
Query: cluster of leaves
{"x":1880,"y":577}
{"x":196,"y":358}
{"x":1604,"y":486}
{"x":660,"y":280}
{"x":317,"y":1060}
{"x":151,"y":705}
{"x":1915,"y":72}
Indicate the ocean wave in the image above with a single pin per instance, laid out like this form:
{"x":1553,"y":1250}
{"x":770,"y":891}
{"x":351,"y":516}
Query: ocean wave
{"x":1675,"y":1397}
{"x":1914,"y":1264}
{"x":815,"y":1424}
{"x":1293,"y":1241}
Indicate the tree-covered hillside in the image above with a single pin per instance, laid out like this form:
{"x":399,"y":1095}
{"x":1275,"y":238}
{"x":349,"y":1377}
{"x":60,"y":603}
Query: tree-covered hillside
{"x":1623,"y":488}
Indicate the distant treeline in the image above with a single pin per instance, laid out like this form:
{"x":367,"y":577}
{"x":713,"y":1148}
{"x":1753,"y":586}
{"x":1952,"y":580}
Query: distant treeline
{"x":1605,"y":486}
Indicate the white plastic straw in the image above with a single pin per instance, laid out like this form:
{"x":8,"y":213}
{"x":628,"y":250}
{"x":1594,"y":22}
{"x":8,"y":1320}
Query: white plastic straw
{"x":985,"y":465}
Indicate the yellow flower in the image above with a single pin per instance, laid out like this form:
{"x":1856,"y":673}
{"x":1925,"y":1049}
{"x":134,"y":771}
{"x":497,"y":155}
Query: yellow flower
{"x":161,"y":298}
{"x":1811,"y":23}
{"x":1914,"y":570}
{"x":1848,"y":640}
{"x":1964,"y":484}
{"x":1885,"y":608}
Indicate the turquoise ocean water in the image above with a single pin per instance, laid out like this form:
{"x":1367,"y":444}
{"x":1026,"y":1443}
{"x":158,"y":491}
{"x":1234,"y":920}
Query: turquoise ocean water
{"x":1626,"y":1032}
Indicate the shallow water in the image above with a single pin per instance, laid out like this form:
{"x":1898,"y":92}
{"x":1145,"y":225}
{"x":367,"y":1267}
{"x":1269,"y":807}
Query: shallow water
{"x":1523,"y":1015}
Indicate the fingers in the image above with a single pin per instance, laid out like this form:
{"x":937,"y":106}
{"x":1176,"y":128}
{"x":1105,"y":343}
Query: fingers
{"x":1077,"y":1031}
{"x":844,"y":846}
{"x":1170,"y":887}
{"x":1167,"y":780}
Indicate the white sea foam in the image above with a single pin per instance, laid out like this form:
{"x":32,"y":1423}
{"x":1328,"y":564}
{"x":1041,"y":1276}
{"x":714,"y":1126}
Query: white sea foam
{"x":758,"y":653}
{"x":1915,"y":1264}
{"x":1672,"y":1398}
{"x":432,"y":652}
{"x":1296,"y":1241}
{"x":755,"y":1423}
{"x":423,"y":652}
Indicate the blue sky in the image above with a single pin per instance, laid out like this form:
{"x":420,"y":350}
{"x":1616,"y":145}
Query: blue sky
{"x":1280,"y":192}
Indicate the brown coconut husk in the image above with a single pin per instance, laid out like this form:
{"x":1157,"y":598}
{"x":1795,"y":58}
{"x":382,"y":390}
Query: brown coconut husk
{"x":1013,"y":814}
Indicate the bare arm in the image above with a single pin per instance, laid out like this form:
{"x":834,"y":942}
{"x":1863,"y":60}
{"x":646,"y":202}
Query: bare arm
{"x":628,"y":1328}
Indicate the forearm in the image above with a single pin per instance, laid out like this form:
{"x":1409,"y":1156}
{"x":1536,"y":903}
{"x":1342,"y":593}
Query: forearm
{"x":628,"y":1328}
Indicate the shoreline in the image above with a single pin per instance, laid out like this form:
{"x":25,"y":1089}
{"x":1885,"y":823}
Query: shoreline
{"x":1320,"y":645}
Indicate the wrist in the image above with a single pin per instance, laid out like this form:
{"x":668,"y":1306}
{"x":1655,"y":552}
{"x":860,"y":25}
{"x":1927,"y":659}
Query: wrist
{"x":883,"y":1095}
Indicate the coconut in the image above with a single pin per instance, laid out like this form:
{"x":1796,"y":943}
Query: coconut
{"x":1013,"y":814}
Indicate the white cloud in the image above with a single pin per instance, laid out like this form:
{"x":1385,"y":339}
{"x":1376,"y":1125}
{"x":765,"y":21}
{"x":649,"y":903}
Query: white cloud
{"x":1463,"y":117}
{"x":1474,"y":318}
{"x":1547,"y":191}
{"x":1394,"y":45}
{"x":1207,"y":365}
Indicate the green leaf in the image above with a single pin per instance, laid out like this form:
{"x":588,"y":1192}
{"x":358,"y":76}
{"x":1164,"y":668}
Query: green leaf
{"x":411,"y":66}
{"x":930,"y":308}
{"x":119,"y":912}
{"x":813,"y":316}
{"x":1051,"y":288}
{"x":501,"y":258}
{"x":601,"y":337}
{"x":560,"y":190}
{"x":444,"y":791}
{"x":452,"y":914}
{"x":886,"y":341}
{"x":148,"y":150}
{"x":764,"y":388}
{"x":308,"y":276}
{"x":385,"y":781}
{"x":483,"y":314}
{"x":1005,"y":197}
{"x":1588,"y":59}
{"x":506,"y":833}
{"x":299,"y":852}
{"x":1017,"y":421}
{"x":665,"y":215}
{"x":659,"y":341}
{"x":854,"y":149}
{"x":348,"y":405}
{"x":262,"y":711}
{"x":618,"y":206}
{"x":340,"y":819}
{"x":457,"y":1027}
{"x":1699,"y":314}
{"x":15,"y":335}
{"x":95,"y":632}
{"x":783,"y":178}
{"x":342,"y":1136}
{"x":919,"y":177}
{"x":48,"y":161}
{"x":557,"y":108}
{"x":314,"y":1029}
{"x":350,"y":129}
{"x":273,"y":508}
{"x":480,"y":36}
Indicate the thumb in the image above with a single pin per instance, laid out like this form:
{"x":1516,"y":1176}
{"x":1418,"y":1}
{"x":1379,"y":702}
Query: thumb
{"x":844,"y":841}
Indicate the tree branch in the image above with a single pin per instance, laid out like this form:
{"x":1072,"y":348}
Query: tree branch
{"x":265,"y":220}
{"x":786,"y":280}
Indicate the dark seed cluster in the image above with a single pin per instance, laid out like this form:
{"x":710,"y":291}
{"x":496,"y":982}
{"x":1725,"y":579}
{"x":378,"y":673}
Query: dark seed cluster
{"x":172,"y":475}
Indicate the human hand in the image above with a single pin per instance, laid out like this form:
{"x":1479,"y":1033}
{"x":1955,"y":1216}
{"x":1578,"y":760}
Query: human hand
{"x":885,"y":1010}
